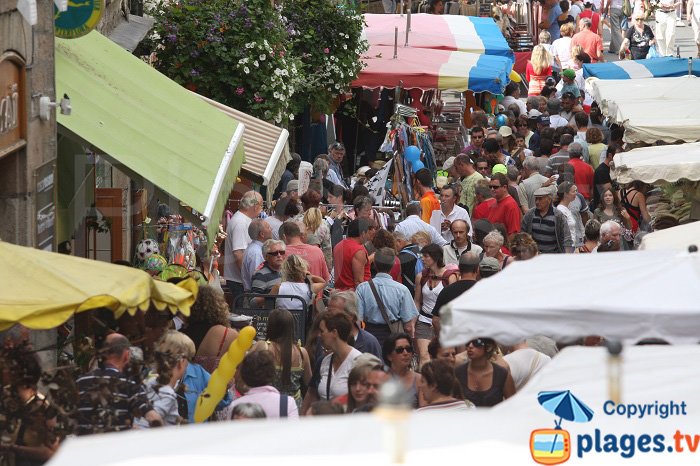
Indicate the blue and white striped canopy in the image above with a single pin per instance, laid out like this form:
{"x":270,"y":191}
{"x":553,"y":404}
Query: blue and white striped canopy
{"x":666,"y":67}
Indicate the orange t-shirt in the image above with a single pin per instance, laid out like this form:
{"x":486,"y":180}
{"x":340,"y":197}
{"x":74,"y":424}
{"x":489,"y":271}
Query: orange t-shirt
{"x":428,"y":203}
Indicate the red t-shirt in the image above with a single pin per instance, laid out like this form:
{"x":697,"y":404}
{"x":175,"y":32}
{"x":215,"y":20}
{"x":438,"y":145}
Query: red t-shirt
{"x":506,"y":212}
{"x":482,"y":210}
{"x":342,"y":262}
{"x":314,"y":256}
{"x":593,"y":16}
{"x":583,"y":177}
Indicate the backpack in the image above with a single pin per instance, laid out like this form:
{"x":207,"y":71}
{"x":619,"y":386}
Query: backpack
{"x":418,"y":268}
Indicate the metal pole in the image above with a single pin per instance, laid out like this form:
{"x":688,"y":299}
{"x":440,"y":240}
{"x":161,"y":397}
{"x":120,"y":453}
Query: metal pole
{"x":690,"y":66}
{"x":401,"y":8}
{"x":408,"y":26}
{"x":410,"y":9}
{"x":396,"y":42}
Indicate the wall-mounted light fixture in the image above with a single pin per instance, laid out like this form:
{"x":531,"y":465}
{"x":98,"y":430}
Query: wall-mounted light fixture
{"x":45,"y":106}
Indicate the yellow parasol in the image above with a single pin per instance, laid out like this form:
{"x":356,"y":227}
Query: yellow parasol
{"x":41,"y":290}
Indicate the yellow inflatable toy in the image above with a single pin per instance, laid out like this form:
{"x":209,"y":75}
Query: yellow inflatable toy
{"x":514,"y":76}
{"x":216,"y":388}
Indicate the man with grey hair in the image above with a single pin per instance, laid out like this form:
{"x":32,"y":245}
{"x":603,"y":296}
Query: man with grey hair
{"x":336,"y":154}
{"x":396,"y":299}
{"x":610,"y":231}
{"x":268,"y":274}
{"x":532,"y":180}
{"x":413,"y":223}
{"x":590,"y":42}
{"x":345,"y":302}
{"x":237,"y":240}
{"x":259,"y":231}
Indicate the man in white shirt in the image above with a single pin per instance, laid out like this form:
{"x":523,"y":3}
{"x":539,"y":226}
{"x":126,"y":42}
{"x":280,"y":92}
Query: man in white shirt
{"x":413,"y":224}
{"x":512,"y":96}
{"x":259,"y":231}
{"x":553,"y":108}
{"x":237,"y":240}
{"x":461,"y":243}
{"x":666,"y":27}
{"x":449,"y":212}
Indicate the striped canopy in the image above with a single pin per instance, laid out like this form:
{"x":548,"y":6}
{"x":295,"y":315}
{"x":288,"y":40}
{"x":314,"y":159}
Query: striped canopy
{"x":433,"y":69}
{"x":444,"y":32}
{"x":665,"y":67}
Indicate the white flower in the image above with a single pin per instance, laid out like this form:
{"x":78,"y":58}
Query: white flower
{"x":246,"y":70}
{"x":291,"y":116}
{"x":345,"y":47}
{"x":276,"y":95}
{"x":255,"y":63}
{"x":250,"y":45}
{"x":262,"y":57}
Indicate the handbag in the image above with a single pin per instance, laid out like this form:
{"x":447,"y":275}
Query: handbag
{"x":653,"y":52}
{"x":627,"y":8}
{"x":394,"y":327}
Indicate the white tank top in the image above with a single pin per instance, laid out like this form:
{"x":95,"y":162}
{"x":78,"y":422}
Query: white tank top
{"x":429,"y":299}
{"x":296,"y":289}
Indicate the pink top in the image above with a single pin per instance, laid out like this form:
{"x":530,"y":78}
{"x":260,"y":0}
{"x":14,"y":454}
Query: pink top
{"x":269,"y":400}
{"x":314,"y":256}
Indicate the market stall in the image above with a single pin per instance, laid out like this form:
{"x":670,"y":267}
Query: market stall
{"x":663,"y":67}
{"x":445,"y":32}
{"x":48,"y":288}
{"x":674,"y":168}
{"x":680,"y":238}
{"x":651,"y":110}
{"x":630,"y":300}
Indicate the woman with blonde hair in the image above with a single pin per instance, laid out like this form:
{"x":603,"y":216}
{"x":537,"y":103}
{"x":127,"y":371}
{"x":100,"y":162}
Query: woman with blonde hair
{"x":297,"y":281}
{"x":209,"y":328}
{"x":538,"y":69}
{"x":561,"y":48}
{"x":316,"y":225}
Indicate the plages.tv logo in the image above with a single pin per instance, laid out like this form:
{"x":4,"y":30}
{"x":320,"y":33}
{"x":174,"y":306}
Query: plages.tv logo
{"x":553,"y":446}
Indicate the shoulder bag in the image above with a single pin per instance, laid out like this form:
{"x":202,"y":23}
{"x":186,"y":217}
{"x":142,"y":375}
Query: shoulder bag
{"x":394,"y":327}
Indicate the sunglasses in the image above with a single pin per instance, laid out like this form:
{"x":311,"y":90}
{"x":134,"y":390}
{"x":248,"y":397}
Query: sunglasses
{"x":403,"y":349}
{"x":338,"y":145}
{"x":277,"y":253}
{"x":478,"y":343}
{"x":494,"y":187}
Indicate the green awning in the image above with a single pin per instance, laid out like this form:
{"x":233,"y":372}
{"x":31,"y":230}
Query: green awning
{"x":149,"y":123}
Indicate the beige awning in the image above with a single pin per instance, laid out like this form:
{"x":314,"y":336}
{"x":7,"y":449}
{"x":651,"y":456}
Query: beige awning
{"x":266,"y":151}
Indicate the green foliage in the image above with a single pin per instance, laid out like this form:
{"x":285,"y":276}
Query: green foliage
{"x":232,"y":52}
{"x":327,"y":36}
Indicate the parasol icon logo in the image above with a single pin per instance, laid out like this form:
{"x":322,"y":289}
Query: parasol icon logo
{"x":553,"y":446}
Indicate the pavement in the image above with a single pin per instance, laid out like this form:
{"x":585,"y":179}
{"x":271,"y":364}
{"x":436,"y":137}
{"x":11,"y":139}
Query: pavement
{"x":684,"y":40}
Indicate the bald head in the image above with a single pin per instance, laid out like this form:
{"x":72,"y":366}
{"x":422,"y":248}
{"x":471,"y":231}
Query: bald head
{"x":116,"y":350}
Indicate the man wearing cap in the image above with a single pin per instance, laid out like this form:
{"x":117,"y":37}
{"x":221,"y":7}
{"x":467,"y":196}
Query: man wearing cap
{"x":449,"y":167}
{"x":292,"y":191}
{"x":468,"y":275}
{"x":488,"y":267}
{"x":506,"y":210}
{"x":336,"y":151}
{"x":547,"y":225}
{"x":464,"y":165}
{"x":590,"y":42}
{"x":449,"y":211}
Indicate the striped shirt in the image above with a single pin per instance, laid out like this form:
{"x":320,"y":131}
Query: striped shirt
{"x":108,"y":401}
{"x":456,"y":405}
{"x":544,"y":231}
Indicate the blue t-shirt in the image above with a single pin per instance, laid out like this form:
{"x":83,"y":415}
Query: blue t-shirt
{"x":553,"y":25}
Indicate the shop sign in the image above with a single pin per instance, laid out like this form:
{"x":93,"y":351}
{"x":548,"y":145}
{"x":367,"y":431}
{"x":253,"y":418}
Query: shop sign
{"x":12,"y":103}
{"x":80,"y":18}
{"x":44,"y":178}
